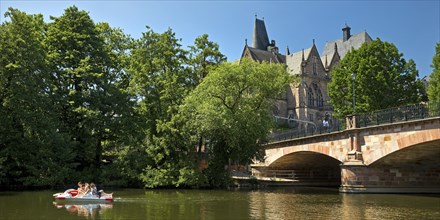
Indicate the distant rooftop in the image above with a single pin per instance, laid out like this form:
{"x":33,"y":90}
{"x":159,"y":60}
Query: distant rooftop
{"x":268,"y":56}
{"x":344,"y":47}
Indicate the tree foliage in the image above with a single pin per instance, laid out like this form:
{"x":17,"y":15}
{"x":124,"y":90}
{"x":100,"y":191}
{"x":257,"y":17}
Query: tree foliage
{"x":88,"y":84}
{"x":434,"y":82}
{"x":84,"y":101}
{"x":204,"y":56}
{"x":31,"y":149}
{"x":160,"y":81}
{"x":383,"y":79}
{"x":230,"y":109}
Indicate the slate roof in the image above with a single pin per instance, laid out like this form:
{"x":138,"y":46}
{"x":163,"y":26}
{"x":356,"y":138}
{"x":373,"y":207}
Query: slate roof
{"x":354,"y":41}
{"x":294,"y":61}
{"x":264,"y":55}
{"x":260,"y":39}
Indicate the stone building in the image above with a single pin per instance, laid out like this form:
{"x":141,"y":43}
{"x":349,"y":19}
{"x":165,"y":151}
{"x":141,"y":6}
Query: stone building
{"x":307,"y":102}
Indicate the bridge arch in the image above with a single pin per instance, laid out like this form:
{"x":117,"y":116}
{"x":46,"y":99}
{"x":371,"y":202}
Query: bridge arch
{"x":416,"y":141}
{"x":302,"y":158}
{"x":308,"y":168}
{"x":278,"y":154}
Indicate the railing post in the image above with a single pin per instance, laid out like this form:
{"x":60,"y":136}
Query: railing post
{"x":391,"y":115}
{"x":350,"y":122}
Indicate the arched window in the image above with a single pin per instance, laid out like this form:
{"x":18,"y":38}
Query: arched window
{"x":318,"y":93}
{"x":319,"y":97}
{"x":310,"y":97}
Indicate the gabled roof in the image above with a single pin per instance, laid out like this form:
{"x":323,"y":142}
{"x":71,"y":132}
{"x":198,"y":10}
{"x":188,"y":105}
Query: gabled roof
{"x":294,"y":60}
{"x":328,"y":59}
{"x":264,"y":55}
{"x":354,"y":41}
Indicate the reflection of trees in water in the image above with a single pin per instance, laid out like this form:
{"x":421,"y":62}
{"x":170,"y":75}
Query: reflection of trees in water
{"x":322,"y":203}
{"x":89,"y":211}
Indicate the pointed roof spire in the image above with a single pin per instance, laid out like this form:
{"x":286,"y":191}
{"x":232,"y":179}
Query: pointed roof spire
{"x":287,"y":51}
{"x":260,"y":39}
{"x":313,"y":41}
{"x":336,"y":47}
{"x":245,"y":41}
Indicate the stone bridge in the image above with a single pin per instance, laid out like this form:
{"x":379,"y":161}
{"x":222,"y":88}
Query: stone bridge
{"x":395,"y":157}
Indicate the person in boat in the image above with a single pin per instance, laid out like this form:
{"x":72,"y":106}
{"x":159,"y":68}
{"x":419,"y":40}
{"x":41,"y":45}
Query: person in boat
{"x":83,"y":190}
{"x":88,"y":190}
{"x":80,"y":184}
{"x":94,"y":190}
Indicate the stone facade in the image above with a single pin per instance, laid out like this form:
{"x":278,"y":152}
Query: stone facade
{"x":308,"y":100}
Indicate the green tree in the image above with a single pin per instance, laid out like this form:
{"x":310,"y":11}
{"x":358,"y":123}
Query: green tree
{"x":204,"y":56}
{"x":122,"y":128}
{"x":86,"y":76}
{"x":434,"y":82}
{"x":160,"y":82}
{"x":383,"y":79}
{"x":231,"y":109}
{"x":32,"y":150}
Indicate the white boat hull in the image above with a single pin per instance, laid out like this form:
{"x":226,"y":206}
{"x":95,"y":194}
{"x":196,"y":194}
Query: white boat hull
{"x":70,"y":196}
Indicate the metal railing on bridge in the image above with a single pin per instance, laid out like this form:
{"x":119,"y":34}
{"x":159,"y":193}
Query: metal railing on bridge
{"x":333,"y":126}
{"x":399,"y":114}
{"x":386,"y":116}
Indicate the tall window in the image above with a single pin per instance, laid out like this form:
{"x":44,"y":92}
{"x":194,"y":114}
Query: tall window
{"x":311,"y":118}
{"x":319,"y":99}
{"x":310,"y":97}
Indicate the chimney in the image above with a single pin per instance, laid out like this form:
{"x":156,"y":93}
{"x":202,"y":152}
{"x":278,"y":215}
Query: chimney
{"x":346,"y":32}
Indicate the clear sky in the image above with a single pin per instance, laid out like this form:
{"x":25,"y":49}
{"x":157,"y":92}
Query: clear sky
{"x":413,"y":26}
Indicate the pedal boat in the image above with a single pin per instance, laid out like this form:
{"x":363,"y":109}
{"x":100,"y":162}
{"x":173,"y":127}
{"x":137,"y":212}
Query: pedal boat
{"x":70,"y":195}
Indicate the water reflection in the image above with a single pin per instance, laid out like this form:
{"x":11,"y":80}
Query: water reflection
{"x":318,"y":204}
{"x":271,"y":203}
{"x":89,"y":211}
{"x":300,"y":203}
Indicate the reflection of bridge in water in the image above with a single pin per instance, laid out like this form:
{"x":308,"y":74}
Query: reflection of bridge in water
{"x":394,"y":150}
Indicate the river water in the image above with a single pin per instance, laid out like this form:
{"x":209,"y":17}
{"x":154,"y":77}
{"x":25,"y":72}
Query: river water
{"x":272,"y":203}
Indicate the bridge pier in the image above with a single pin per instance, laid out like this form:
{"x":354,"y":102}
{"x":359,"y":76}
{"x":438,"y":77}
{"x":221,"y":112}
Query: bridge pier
{"x":359,"y":178}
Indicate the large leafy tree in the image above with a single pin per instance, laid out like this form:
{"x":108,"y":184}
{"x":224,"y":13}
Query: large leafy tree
{"x":434,"y":82}
{"x":32,"y":150}
{"x":204,"y":56}
{"x":381,"y":78}
{"x":122,"y":128}
{"x":160,"y":81}
{"x":230,"y":108}
{"x":86,"y":77}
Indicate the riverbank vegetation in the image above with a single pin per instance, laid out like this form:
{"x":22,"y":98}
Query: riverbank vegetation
{"x":374,"y":77}
{"x":84,"y":101}
{"x":434,"y":82}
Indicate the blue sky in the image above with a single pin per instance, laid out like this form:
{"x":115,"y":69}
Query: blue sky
{"x":413,"y":26}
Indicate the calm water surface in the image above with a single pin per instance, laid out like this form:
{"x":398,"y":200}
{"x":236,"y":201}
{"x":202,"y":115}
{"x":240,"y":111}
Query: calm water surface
{"x":279,"y":203}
